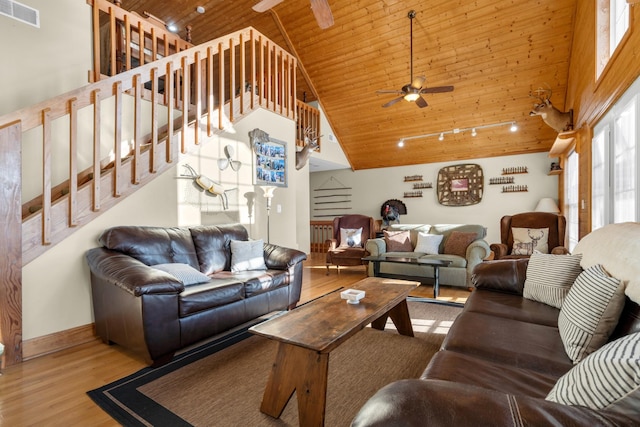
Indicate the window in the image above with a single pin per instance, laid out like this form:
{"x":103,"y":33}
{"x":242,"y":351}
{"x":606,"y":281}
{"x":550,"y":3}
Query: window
{"x":612,"y":23}
{"x":571,"y":200}
{"x":614,"y":160}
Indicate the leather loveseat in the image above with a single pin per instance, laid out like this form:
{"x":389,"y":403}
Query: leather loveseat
{"x":463,"y":259}
{"x":504,"y":363}
{"x":152,"y":312}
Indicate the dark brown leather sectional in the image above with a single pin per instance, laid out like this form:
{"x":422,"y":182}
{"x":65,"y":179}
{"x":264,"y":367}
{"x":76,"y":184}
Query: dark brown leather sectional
{"x":500,"y":359}
{"x":150,"y":312}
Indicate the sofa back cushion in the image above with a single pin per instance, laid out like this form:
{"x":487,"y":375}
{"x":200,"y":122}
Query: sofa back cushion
{"x":152,"y":245}
{"x":213,"y":245}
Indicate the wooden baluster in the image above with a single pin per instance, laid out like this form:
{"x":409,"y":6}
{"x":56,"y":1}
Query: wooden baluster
{"x":96,"y":150}
{"x":96,"y":42}
{"x":280,"y":62}
{"x":197,"y":81}
{"x":252,"y":78}
{"x":242,"y":73}
{"x":185,"y":103}
{"x":46,"y":176}
{"x":117,"y":139}
{"x":169,"y":92}
{"x":127,"y":43}
{"x":210,"y":105}
{"x":232,"y":78}
{"x":269,"y":76}
{"x":154,"y":45}
{"x":73,"y":161}
{"x":141,"y":40}
{"x":154,"y":121}
{"x":188,"y":35}
{"x":137,"y":127}
{"x":220,"y":86}
{"x":113,"y":40}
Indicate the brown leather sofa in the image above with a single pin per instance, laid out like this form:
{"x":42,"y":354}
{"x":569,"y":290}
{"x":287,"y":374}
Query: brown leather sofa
{"x":151,"y":312}
{"x":503,"y":355}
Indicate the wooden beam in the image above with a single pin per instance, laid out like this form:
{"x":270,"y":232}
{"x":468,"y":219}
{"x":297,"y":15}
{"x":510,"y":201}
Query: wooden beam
{"x":11,"y":243}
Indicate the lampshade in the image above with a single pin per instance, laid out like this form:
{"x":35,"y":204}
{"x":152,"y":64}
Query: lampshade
{"x":547,"y":204}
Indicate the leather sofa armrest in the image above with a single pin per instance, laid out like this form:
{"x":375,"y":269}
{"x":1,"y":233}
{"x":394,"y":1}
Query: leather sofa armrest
{"x":281,"y":258}
{"x":376,"y":246}
{"x":499,"y":249}
{"x":505,"y":275}
{"x":438,"y":403}
{"x":130,"y":274}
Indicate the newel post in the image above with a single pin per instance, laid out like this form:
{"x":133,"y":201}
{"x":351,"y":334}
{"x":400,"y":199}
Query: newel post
{"x":11,"y":242}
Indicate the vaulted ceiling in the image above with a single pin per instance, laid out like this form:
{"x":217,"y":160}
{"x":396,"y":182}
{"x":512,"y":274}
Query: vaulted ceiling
{"x":494,"y":52}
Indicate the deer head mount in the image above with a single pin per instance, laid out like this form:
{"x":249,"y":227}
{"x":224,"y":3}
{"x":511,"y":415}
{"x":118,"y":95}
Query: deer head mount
{"x":310,"y":144}
{"x":559,"y":121}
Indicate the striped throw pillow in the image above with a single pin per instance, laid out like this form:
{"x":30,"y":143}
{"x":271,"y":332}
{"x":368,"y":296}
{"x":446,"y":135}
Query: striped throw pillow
{"x":608,"y":378}
{"x":549,"y":277}
{"x":590,"y":312}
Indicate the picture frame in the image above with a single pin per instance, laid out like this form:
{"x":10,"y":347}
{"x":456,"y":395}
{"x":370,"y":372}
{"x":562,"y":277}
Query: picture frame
{"x":460,"y":185}
{"x":270,"y":162}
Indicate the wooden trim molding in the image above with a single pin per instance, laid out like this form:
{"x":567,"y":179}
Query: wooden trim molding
{"x":58,"y":341}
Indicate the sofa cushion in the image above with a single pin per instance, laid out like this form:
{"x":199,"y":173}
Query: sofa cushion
{"x":468,"y":369}
{"x":212,"y":245}
{"x":184,"y":273}
{"x":527,"y":240}
{"x":152,"y":245}
{"x":208,"y":295}
{"x":590,"y":312}
{"x":398,"y":241}
{"x":511,"y":306}
{"x":457,"y":243}
{"x":428,"y":243}
{"x":511,"y":342}
{"x":247,"y":255}
{"x":549,"y":277}
{"x":607,"y":379}
{"x":351,"y":238}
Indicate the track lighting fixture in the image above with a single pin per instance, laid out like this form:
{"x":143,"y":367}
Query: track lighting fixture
{"x":513,"y":127}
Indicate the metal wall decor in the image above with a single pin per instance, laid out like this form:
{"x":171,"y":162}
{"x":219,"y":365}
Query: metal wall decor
{"x":460,"y":185}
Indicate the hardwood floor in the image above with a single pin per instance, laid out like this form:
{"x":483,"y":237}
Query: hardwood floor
{"x":51,"y":390}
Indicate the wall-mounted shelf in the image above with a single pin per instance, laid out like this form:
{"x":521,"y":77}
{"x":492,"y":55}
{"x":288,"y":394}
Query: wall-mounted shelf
{"x":555,"y":172}
{"x":422,"y":185}
{"x":409,"y":194}
{"x":515,"y":170}
{"x":413,"y":178}
{"x":515,"y":189}
{"x":563,"y":144}
{"x":502,"y":180}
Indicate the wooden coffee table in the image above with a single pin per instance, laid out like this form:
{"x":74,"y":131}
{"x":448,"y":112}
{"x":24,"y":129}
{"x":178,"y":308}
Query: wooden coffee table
{"x":309,"y":333}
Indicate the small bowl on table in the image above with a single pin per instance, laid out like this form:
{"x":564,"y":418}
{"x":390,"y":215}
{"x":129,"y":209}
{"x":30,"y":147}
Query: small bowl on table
{"x":353,"y":296}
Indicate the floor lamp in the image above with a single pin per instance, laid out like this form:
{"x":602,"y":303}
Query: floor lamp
{"x":268,"y":194}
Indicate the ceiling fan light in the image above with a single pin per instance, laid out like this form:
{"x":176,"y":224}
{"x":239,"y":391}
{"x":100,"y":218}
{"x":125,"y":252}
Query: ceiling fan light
{"x":411,"y":97}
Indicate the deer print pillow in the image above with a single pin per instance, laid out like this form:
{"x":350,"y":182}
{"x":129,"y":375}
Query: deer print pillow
{"x":351,"y":237}
{"x":527,"y":240}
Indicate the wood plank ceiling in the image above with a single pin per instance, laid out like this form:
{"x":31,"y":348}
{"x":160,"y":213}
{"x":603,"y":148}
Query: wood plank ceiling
{"x":494,"y":52}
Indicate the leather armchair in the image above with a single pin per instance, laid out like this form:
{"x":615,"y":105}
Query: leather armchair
{"x":339,"y":254}
{"x":555,"y":223}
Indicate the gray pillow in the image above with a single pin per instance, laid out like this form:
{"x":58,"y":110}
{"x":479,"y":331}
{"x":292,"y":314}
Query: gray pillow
{"x":184,"y":273}
{"x":247,"y":255}
{"x":590,"y":312}
{"x":549,"y":277}
{"x":608,"y":378}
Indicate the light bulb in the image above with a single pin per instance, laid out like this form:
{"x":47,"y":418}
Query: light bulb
{"x":441,"y":137}
{"x":411,"y":96}
{"x":401,"y":143}
{"x":473,"y":132}
{"x":514,"y":127}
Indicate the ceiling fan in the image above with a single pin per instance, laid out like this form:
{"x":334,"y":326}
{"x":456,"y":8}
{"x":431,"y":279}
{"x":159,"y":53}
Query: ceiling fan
{"x":321,"y":10}
{"x":412,"y":92}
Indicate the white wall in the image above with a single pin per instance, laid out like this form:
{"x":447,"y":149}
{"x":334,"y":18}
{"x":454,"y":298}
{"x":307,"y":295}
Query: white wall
{"x":40,"y":63}
{"x":371,"y":188}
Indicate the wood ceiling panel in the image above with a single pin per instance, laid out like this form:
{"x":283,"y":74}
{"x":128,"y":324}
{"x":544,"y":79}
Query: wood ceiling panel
{"x":493,"y":51}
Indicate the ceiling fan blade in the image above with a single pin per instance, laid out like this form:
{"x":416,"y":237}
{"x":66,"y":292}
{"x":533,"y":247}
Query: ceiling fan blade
{"x":393,"y":101}
{"x":322,"y":12}
{"x":265,"y":5}
{"x":437,"y":89}
{"x":421,"y":102}
{"x":398,"y":92}
{"x":418,"y":82}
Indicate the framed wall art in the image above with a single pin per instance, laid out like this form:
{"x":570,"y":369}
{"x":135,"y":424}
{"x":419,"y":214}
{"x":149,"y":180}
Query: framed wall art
{"x":269,"y":161}
{"x":460,"y":185}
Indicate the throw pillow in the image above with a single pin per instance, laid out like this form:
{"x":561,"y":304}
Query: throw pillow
{"x":590,"y":312}
{"x":428,"y":243}
{"x":549,"y":277}
{"x":350,"y":238}
{"x":247,"y":255}
{"x":608,"y":378}
{"x":398,"y":241}
{"x":527,"y":240}
{"x":184,"y":273}
{"x":457,"y":243}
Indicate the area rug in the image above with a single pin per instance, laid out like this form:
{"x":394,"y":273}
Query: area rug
{"x":221,"y":383}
